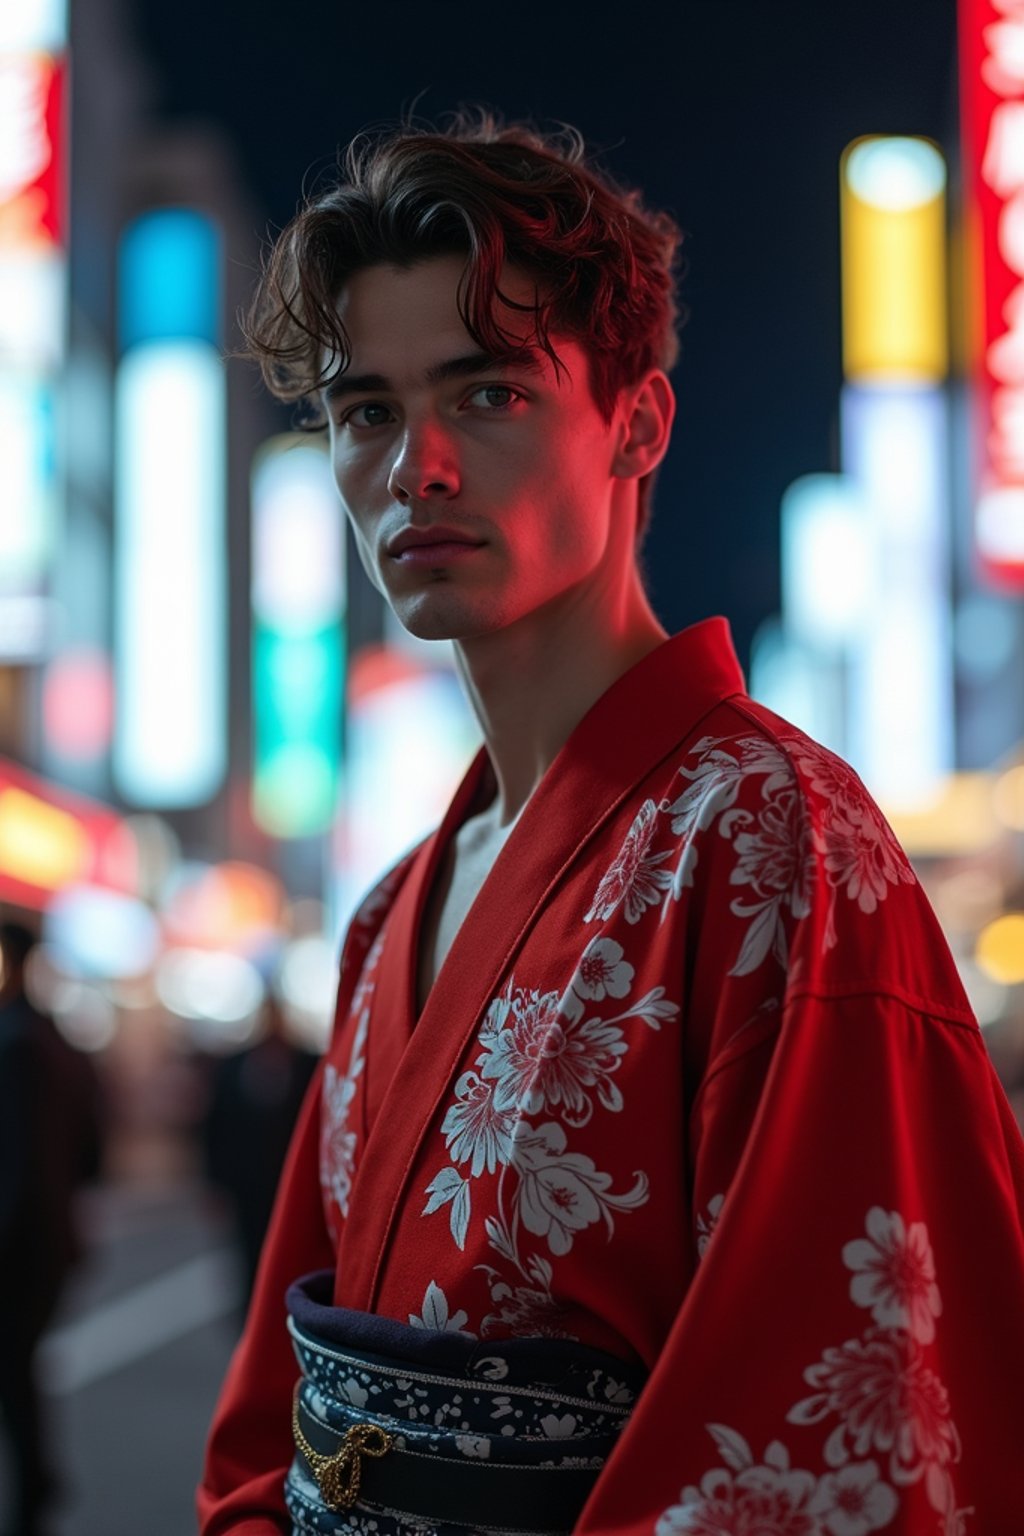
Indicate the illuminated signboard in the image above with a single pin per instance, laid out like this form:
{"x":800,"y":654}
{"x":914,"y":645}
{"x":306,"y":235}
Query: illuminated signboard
{"x":170,"y":587}
{"x":32,"y":24}
{"x":992,"y":117}
{"x":298,"y":598}
{"x":899,"y":696}
{"x":33,"y":192}
{"x":50,"y":839}
{"x":31,"y":144}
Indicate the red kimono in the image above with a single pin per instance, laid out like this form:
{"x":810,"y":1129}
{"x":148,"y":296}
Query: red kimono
{"x":697,"y":1085}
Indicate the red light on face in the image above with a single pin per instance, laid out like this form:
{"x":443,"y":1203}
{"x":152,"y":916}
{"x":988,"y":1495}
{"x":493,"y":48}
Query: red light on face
{"x":32,"y":92}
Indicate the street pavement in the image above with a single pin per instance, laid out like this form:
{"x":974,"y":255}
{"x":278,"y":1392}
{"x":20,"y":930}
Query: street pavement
{"x":134,"y":1362}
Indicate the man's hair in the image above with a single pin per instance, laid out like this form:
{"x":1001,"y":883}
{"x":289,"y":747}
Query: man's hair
{"x":605,"y":265}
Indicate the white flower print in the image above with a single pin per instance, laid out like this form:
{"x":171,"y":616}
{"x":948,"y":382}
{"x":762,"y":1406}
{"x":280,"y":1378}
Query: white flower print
{"x":858,"y":847}
{"x":776,"y":857}
{"x":706,"y":1223}
{"x":714,"y":781}
{"x":449,"y":1187}
{"x":562,"y":1192}
{"x":749,"y":1500}
{"x":435,"y":1314}
{"x":854,"y":1501}
{"x":337,"y":1141}
{"x":602,"y":972}
{"x":814,"y":811}
{"x":473,"y":1445}
{"x":759,"y":1499}
{"x":777,"y":861}
{"x":546,"y":1056}
{"x":886,"y":1400}
{"x":527,"y":1311}
{"x":634,"y":876}
{"x":894,"y":1274}
{"x":475,"y":1129}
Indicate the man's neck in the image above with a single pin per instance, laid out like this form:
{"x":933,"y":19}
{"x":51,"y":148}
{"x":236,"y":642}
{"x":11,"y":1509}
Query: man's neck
{"x":531,"y":683}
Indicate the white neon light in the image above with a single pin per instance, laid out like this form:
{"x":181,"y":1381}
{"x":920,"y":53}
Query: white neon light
{"x":827,"y":561}
{"x":798,"y":683}
{"x":33,"y":24}
{"x":27,"y":503}
{"x":408,"y":746}
{"x":999,"y":526}
{"x":896,"y":174}
{"x":170,"y":581}
{"x":32,"y":308}
{"x":298,"y":548}
{"x":901,"y":673}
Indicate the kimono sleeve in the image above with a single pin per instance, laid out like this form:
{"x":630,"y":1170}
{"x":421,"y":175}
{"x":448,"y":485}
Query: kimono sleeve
{"x":250,"y":1443}
{"x":848,"y":1356}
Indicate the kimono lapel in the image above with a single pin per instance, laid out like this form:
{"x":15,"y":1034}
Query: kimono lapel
{"x":638,"y":722}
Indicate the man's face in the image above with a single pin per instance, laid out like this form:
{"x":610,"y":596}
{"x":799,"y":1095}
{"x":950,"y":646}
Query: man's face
{"x":508,"y":468}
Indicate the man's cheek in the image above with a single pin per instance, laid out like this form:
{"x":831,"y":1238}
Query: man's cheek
{"x":366,"y":558}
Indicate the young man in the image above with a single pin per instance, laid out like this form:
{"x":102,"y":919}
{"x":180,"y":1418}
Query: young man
{"x":656,"y":1174}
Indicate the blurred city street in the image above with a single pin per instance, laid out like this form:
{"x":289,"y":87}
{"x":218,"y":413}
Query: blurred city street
{"x":135,"y":1360}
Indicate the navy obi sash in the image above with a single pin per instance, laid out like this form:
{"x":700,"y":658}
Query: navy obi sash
{"x":403,"y":1431}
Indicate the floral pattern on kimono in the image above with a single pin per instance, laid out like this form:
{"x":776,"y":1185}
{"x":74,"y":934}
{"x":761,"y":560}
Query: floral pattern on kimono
{"x":894,"y":1426}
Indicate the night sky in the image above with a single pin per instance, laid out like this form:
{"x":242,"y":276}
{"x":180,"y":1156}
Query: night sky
{"x":729,"y":113}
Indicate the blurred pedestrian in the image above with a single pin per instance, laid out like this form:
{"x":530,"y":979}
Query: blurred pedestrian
{"x":255,"y":1096}
{"x":50,"y":1144}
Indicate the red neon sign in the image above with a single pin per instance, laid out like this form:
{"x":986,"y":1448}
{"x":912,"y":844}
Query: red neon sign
{"x":992,"y":118}
{"x":32,"y":190}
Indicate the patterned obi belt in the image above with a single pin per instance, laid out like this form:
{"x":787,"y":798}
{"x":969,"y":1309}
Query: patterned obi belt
{"x":404,"y":1431}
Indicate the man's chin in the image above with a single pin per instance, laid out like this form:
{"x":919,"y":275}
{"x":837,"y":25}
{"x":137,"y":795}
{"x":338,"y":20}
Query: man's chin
{"x":429,"y":619}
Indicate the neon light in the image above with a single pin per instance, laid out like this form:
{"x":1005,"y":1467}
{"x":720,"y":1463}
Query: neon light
{"x":827,"y":561}
{"x":798,"y":682}
{"x":408,"y":743}
{"x":32,"y":308}
{"x":298,"y":638}
{"x":78,"y":704}
{"x":992,"y":117}
{"x":32,"y":90}
{"x":33,"y":24}
{"x":39,"y":843}
{"x":900,"y":682}
{"x":170,"y":745}
{"x":169,"y":278}
{"x":893,"y":252}
{"x":29,"y":474}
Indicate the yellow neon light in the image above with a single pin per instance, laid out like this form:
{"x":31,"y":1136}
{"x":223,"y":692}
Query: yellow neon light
{"x":39,"y":843}
{"x":893,"y":238}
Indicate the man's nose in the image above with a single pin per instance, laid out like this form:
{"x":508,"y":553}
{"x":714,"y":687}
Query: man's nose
{"x":426,"y":464}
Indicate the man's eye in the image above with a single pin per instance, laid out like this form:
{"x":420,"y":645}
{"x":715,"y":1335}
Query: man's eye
{"x":495,"y":397}
{"x":368,"y":415}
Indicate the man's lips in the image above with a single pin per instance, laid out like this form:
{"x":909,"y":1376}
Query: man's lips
{"x":430,"y":543}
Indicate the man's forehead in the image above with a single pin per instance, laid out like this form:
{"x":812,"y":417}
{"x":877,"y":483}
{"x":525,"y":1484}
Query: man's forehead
{"x":403,"y":325}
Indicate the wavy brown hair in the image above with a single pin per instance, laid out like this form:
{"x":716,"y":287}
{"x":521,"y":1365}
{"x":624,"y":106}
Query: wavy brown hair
{"x":605,"y":266}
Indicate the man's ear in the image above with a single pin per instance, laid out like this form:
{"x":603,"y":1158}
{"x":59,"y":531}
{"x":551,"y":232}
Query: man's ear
{"x":648,"y":410}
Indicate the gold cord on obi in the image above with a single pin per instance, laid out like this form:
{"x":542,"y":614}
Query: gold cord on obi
{"x":338,"y":1476}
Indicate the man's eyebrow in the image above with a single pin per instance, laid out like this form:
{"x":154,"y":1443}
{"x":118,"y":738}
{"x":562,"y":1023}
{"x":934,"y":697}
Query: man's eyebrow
{"x":452,"y":368}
